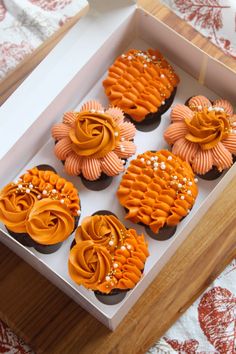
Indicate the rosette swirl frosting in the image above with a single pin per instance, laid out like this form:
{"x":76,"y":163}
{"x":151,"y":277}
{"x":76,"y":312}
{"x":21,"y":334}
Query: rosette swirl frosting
{"x":203,"y":133}
{"x":14,"y":207}
{"x":41,"y":204}
{"x":105,"y":230}
{"x":93,"y":134}
{"x":106,"y":255}
{"x":49,"y":222}
{"x":207,"y":128}
{"x":94,"y":141}
{"x":89,"y":263}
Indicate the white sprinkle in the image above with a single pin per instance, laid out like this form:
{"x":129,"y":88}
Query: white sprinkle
{"x":39,"y":196}
{"x":111,"y":243}
{"x":123,"y":248}
{"x":142,"y":159}
{"x":129,"y":247}
{"x":180,"y":185}
{"x":122,"y":139}
{"x":155,"y":164}
{"x":162,"y":76}
{"x":234,"y":131}
{"x":54,"y":191}
{"x":78,"y":212}
{"x":144,"y":65}
{"x":123,"y":56}
{"x":156,"y":158}
{"x":234,"y":124}
{"x":163,"y":167}
{"x":153,"y":57}
{"x":155,"y":169}
{"x":62,"y":201}
{"x":189,"y":192}
{"x":115,"y":265}
{"x":184,"y":179}
{"x":210,"y":109}
{"x":45,"y":192}
{"x":163,"y":102}
{"x":116,"y":133}
{"x":92,"y":111}
{"x":152,"y":158}
{"x":190,"y":183}
{"x":27,"y":190}
{"x":175,"y":177}
{"x":31,"y":186}
{"x":182,"y":197}
{"x":199,"y":107}
{"x":169,"y":158}
{"x":108,"y":278}
{"x":148,"y":60}
{"x":148,"y":162}
{"x":196,"y":180}
{"x":20,"y":186}
{"x":129,"y":57}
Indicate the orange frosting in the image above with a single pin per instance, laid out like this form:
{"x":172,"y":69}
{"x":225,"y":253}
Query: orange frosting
{"x":207,"y":128}
{"x":157,"y":189}
{"x":42,"y":204}
{"x":139,"y":82}
{"x":94,"y":141}
{"x":49,"y":222}
{"x":93,"y":134}
{"x":14,"y":206}
{"x":203,"y":133}
{"x":106,"y":255}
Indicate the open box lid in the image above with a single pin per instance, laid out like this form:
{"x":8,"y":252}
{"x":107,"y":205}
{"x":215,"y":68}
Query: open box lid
{"x":70,"y":55}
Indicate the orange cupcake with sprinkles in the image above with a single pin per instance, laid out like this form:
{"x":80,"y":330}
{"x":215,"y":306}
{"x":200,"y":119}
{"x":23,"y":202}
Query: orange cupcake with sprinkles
{"x":143,"y":84}
{"x":106,"y":257}
{"x":158,"y":190}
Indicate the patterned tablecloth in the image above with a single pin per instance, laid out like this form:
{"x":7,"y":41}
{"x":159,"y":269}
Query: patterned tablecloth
{"x":209,"y":325}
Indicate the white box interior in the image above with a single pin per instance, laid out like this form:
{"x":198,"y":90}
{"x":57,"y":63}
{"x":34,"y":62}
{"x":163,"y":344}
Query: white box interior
{"x":138,"y":30}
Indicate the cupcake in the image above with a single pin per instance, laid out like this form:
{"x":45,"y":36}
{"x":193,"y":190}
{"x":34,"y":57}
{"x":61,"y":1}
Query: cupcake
{"x":203,"y":133}
{"x":107,"y":258}
{"x":158,"y":190}
{"x":40,"y":209}
{"x":142,"y":84}
{"x":94,"y":143}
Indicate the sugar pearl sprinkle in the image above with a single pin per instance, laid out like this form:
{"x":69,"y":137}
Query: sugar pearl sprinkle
{"x":145,"y":57}
{"x":28,"y":188}
{"x":180,"y":183}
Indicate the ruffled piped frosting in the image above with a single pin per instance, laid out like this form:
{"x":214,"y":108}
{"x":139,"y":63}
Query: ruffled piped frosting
{"x":157,"y":189}
{"x":139,"y":82}
{"x":107,"y":256}
{"x":94,"y":141}
{"x":41,"y":204}
{"x":203,"y":133}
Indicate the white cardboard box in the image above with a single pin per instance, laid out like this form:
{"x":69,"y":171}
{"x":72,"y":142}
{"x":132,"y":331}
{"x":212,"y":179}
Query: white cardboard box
{"x":73,"y":73}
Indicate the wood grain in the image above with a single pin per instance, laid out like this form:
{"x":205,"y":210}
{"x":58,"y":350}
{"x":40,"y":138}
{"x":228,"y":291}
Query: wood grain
{"x":52,"y":323}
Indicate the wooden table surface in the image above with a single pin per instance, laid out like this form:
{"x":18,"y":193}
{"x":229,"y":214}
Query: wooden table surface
{"x":52,"y":323}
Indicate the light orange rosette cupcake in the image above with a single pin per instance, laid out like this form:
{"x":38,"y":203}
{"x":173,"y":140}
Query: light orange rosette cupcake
{"x":40,"y":209}
{"x":142,"y":84}
{"x":94,"y":142}
{"x":203,"y":133}
{"x":107,"y":258}
{"x":158,"y":190}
